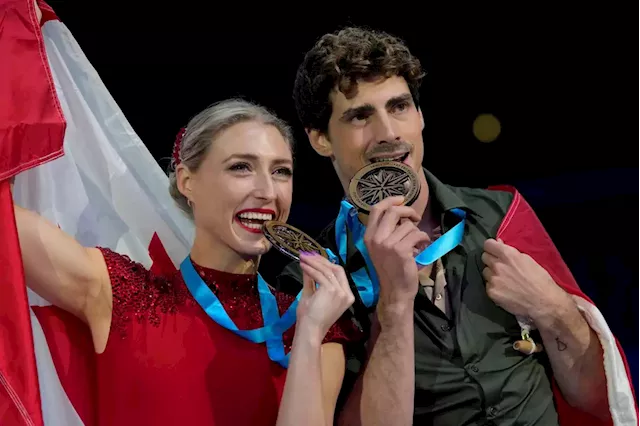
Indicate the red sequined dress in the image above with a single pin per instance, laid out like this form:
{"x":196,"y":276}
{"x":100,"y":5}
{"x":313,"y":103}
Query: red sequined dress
{"x":168,"y":363}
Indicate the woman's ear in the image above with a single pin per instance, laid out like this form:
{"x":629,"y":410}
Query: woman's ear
{"x":184,"y":181}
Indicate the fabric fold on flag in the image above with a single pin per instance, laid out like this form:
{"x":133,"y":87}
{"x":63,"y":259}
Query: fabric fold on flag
{"x":107,"y":190}
{"x":522,"y":229}
{"x":19,"y":391}
{"x":31,"y":121}
{"x":32,"y":129}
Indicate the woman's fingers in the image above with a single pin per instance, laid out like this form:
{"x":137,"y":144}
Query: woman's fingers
{"x":331,"y":275}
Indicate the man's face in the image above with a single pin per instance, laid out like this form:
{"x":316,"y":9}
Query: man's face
{"x":380,"y":123}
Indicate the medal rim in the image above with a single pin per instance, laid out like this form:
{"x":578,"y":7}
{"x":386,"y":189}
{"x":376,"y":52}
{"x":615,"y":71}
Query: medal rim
{"x":410,"y":198}
{"x":282,"y":246}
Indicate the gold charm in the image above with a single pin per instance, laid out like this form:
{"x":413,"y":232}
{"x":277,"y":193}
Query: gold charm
{"x":526,"y":345}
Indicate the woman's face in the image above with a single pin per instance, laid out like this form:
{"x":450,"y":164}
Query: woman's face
{"x":245,"y":180}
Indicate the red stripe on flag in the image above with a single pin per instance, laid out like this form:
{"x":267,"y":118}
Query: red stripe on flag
{"x":32,"y":124}
{"x":19,"y":392}
{"x":72,"y":352}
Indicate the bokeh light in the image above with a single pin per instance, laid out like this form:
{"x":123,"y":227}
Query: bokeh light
{"x":486,"y":127}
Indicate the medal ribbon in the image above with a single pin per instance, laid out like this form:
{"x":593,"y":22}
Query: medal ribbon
{"x":365,"y":278}
{"x":274,"y":325}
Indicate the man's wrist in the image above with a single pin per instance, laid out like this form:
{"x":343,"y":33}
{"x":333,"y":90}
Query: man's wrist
{"x":393,"y":313}
{"x":549,"y":313}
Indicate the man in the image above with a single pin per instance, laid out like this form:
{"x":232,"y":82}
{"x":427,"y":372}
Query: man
{"x":440,"y":349}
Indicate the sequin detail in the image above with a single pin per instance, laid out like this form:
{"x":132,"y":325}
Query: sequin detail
{"x":141,"y":295}
{"x":138,"y":293}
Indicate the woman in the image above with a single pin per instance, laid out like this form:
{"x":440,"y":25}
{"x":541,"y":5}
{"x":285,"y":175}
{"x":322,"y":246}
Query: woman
{"x":163,"y":359}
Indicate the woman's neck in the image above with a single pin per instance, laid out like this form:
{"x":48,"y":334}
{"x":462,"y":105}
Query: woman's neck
{"x":210,"y":253}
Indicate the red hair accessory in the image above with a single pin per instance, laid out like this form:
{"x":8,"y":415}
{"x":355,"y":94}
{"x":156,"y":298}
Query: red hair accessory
{"x":176,"y":146}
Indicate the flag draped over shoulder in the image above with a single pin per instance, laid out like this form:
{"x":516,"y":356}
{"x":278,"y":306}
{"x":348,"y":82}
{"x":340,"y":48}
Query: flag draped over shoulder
{"x":522,"y":229}
{"x":31,"y":133}
{"x":106,"y":190}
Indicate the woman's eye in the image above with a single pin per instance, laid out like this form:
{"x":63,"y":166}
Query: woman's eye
{"x":239,"y":167}
{"x":285,"y":171}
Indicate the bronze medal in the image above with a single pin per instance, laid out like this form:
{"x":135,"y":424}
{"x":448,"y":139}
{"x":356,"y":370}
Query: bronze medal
{"x":290,"y":241}
{"x":377,"y":181}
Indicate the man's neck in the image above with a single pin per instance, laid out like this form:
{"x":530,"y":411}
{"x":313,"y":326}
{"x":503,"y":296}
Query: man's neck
{"x":424,"y":206}
{"x":210,"y":253}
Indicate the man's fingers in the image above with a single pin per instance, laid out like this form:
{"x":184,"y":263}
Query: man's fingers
{"x":487,"y":274}
{"x":389,"y":222}
{"x":414,"y":239}
{"x":406,"y":239}
{"x":499,"y":249}
{"x":489,"y":259}
{"x":378,"y":210}
{"x":400,"y":233}
{"x":492,"y":247}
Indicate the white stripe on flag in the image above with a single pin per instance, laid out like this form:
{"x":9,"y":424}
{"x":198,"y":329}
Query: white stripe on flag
{"x":620,"y":395}
{"x":106,"y":190}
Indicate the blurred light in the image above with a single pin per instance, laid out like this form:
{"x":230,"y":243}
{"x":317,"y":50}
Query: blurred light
{"x":486,"y":128}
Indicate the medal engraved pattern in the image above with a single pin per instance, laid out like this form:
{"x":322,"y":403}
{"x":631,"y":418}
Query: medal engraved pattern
{"x":381,"y":184}
{"x":291,"y":241}
{"x":377,"y":181}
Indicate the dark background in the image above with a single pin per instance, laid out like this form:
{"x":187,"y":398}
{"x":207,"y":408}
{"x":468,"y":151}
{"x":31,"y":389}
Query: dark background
{"x":557,"y":79}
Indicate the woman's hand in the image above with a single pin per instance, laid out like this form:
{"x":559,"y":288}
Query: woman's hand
{"x":320,"y":307}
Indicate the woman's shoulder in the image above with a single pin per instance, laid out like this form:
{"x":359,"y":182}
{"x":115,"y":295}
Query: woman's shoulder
{"x":139,"y":292}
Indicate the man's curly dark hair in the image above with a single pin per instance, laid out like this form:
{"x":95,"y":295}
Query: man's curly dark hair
{"x":343,"y":58}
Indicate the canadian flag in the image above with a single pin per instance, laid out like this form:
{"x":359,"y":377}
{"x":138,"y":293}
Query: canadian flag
{"x":105,"y":190}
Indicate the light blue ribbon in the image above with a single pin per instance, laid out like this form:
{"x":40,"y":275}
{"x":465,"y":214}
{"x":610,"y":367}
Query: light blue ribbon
{"x":274,"y":325}
{"x":365,"y":278}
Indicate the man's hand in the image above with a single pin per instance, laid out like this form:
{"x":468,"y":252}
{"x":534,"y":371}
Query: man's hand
{"x":392,"y":239}
{"x":517,"y":284}
{"x":385,"y":392}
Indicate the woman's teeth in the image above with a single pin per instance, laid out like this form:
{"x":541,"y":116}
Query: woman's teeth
{"x":254,"y":220}
{"x":257,"y":216}
{"x":252,"y":225}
